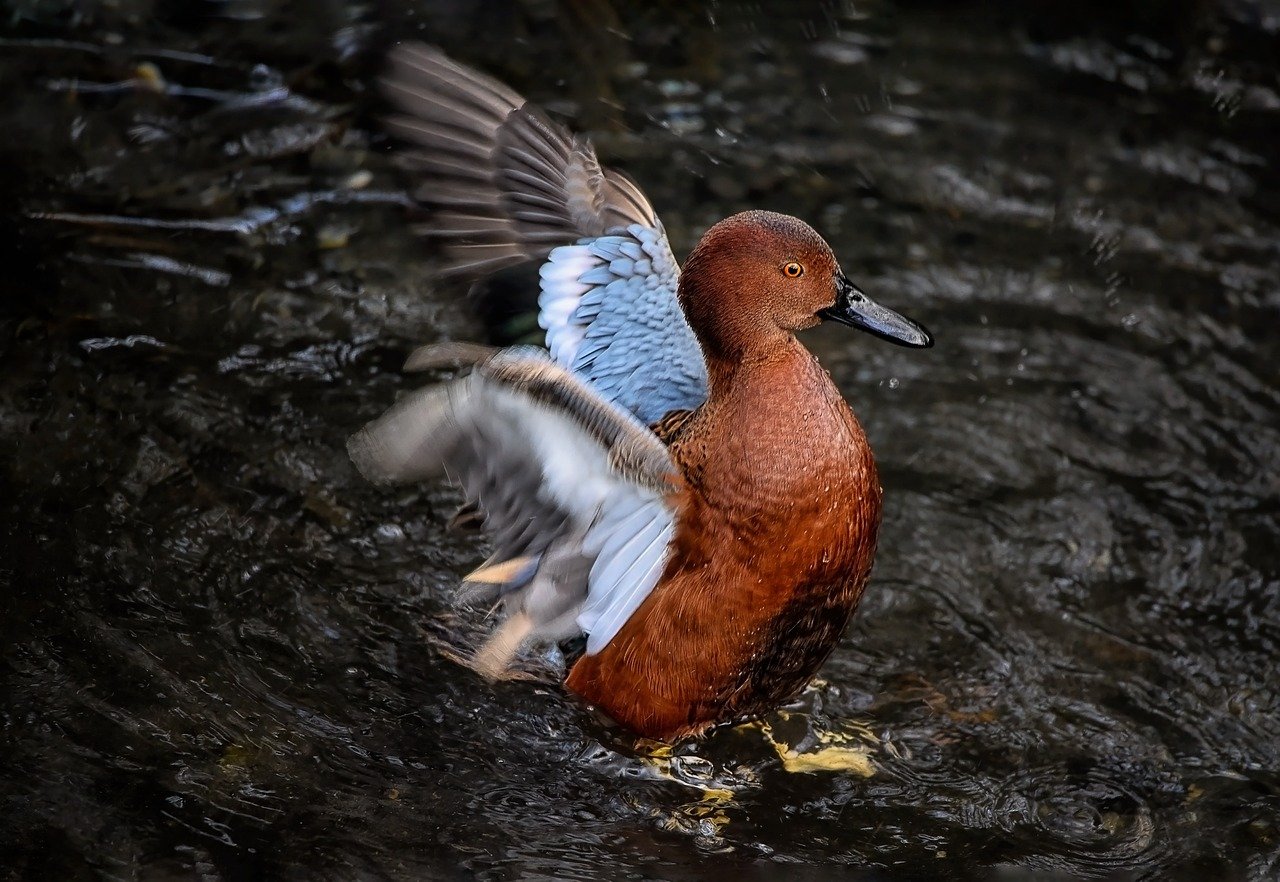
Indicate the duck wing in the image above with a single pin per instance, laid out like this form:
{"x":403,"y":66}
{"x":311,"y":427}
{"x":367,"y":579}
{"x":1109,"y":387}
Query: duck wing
{"x":609,"y":308}
{"x":580,"y":497}
{"x":503,"y":185}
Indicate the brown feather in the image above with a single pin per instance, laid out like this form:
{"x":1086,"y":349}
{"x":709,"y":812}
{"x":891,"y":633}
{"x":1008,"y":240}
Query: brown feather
{"x":486,"y":153}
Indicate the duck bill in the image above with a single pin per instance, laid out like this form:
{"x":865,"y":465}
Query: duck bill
{"x":857,"y":310}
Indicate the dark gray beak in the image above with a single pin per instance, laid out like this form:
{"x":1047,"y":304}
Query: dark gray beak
{"x":857,"y":310}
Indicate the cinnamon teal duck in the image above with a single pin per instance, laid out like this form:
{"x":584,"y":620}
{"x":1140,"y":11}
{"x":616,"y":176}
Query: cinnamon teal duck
{"x":675,"y":476}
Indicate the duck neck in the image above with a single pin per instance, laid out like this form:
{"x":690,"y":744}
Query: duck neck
{"x":733,"y":329}
{"x":726,"y":366}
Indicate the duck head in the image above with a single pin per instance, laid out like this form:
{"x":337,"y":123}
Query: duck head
{"x":758,"y":277}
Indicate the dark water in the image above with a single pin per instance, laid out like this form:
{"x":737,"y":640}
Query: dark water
{"x":221,"y":649}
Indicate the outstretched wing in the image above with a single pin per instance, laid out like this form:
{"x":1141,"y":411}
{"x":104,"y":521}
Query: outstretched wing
{"x":579,"y":496}
{"x":503,"y":184}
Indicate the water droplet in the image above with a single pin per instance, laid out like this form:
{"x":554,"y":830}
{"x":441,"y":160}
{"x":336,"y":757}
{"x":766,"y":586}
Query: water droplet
{"x":390,"y":533}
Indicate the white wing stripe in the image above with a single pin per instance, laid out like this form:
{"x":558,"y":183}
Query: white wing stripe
{"x":617,"y":564}
{"x":623,"y":600}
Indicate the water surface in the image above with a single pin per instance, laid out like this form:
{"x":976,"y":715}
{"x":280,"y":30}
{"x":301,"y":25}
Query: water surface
{"x":221,"y":649}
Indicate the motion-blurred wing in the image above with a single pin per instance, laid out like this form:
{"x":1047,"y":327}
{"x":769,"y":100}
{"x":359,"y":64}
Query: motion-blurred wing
{"x":504,"y":185}
{"x":503,"y":182}
{"x":577,"y":493}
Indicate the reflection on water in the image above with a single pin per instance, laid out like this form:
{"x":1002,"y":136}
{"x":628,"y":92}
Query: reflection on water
{"x":222,"y":649}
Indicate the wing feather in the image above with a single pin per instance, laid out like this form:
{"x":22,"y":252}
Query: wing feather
{"x":578,"y":495}
{"x":611,"y":315}
{"x":510,"y":153}
{"x":621,"y":580}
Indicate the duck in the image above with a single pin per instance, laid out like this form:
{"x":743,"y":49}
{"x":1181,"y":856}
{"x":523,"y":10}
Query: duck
{"x":674,"y":477}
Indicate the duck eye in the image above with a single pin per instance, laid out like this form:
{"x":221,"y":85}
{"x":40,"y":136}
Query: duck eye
{"x":793,"y":270}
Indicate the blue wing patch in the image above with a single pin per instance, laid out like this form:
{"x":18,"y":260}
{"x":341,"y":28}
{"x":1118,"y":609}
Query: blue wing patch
{"x":609,"y":307}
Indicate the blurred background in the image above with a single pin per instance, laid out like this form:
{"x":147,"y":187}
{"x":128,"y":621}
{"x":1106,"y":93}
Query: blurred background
{"x":219,"y":648}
